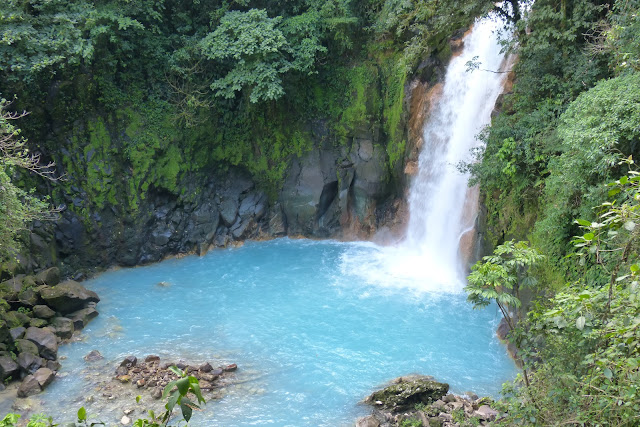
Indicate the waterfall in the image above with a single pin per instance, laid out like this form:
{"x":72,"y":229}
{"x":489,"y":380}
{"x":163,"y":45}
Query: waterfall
{"x":442,"y":207}
{"x":438,"y":198}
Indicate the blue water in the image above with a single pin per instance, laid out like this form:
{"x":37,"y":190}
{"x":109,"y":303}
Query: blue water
{"x":311,"y":334}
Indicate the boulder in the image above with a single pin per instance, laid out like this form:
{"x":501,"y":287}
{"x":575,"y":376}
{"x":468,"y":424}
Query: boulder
{"x":29,"y":387}
{"x":45,"y":340}
{"x":26,"y":346}
{"x":30,"y":363}
{"x":17,"y":333}
{"x":50,"y":276}
{"x":93,"y":355}
{"x":38,"y":323}
{"x":43,"y":312}
{"x":8,"y":368}
{"x":9,"y":289}
{"x":44,"y":376}
{"x":4,"y":332}
{"x":406,"y":392}
{"x":81,"y":318}
{"x":129,"y":362}
{"x":485,"y":412}
{"x":28,"y":297}
{"x":12,"y":320}
{"x":67,"y":297}
{"x":63,"y":326}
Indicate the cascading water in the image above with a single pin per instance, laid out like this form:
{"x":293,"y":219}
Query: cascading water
{"x":437,"y":196}
{"x":429,"y":258}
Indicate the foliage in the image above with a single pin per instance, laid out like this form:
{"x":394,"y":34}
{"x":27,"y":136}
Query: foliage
{"x":499,"y":277}
{"x":17,"y":207}
{"x":585,"y":338}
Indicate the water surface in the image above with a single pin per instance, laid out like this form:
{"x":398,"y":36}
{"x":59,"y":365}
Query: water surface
{"x":312,"y":332}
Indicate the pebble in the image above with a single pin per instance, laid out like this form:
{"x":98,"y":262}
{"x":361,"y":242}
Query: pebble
{"x":125,"y":420}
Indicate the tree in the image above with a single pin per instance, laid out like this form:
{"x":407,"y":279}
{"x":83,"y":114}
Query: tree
{"x":17,"y":206}
{"x":259,"y":51}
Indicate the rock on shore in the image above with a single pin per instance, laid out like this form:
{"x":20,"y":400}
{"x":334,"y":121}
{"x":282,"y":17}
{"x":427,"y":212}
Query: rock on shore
{"x":420,"y":400}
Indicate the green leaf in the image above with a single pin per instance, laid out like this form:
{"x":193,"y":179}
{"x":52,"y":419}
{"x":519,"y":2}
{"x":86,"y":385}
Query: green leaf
{"x":629,"y":225}
{"x":589,"y":236}
{"x":186,"y":410}
{"x":176,"y":371}
{"x":607,"y":373}
{"x":183,"y":386}
{"x":172,"y":401}
{"x":82,"y":414}
{"x":580,"y":322}
{"x":613,"y":192}
{"x":583,"y":222}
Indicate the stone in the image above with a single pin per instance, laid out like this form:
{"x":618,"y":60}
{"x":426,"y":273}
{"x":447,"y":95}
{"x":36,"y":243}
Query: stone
{"x":8,"y":368}
{"x":26,"y":346}
{"x":44,"y":376}
{"x":141,"y":383}
{"x":30,"y":362}
{"x":67,"y":297}
{"x":486,"y":412}
{"x":152,"y":358}
{"x":43,"y":311}
{"x":50,"y":276}
{"x":368,"y":421}
{"x":230,"y":368}
{"x":28,"y":297}
{"x":471,"y":395}
{"x":157,"y":393}
{"x":122,"y":370}
{"x":205,"y":367}
{"x":228,"y":210}
{"x":11,"y":320}
{"x":45,"y":340}
{"x":407,"y":392}
{"x":54,"y":365}
{"x":81,"y":318}
{"x":37,"y":323}
{"x":124,"y":378}
{"x":17,"y":333}
{"x":29,"y":387}
{"x":93,"y":356}
{"x":128,"y":411}
{"x":125,"y":421}
{"x":64,"y":327}
{"x":129,"y":361}
{"x":449,"y":398}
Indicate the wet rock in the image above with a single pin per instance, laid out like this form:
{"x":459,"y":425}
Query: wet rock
{"x":124,"y":378}
{"x":369,"y":421}
{"x":63,"y":326}
{"x":230,"y":368}
{"x":8,"y":368}
{"x":407,"y":392}
{"x":81,"y":318}
{"x":471,"y":395}
{"x":93,"y":356}
{"x":45,"y":340}
{"x":216,"y":372}
{"x":157,"y":393}
{"x":205,"y":367}
{"x":67,"y":297}
{"x":43,"y":312}
{"x":54,"y":365}
{"x":30,"y":362}
{"x":44,"y":376}
{"x":50,"y":276}
{"x":29,"y":387}
{"x":129,"y":361}
{"x":17,"y":333}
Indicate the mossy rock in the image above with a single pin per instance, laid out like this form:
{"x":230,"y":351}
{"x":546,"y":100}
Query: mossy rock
{"x":26,"y":346}
{"x":406,"y":392}
{"x":12,"y":320}
{"x":38,"y":323}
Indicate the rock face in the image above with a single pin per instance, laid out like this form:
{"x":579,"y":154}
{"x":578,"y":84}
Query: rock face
{"x":406,"y":392}
{"x":67,"y":297}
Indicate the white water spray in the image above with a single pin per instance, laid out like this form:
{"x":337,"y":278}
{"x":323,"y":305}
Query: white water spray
{"x":429,"y":259}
